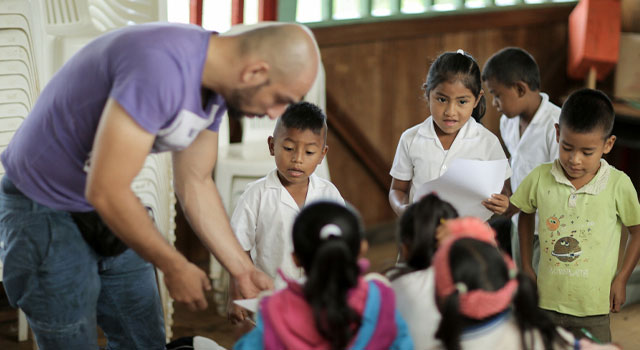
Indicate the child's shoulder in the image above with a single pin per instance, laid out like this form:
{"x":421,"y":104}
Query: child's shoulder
{"x":413,"y":131}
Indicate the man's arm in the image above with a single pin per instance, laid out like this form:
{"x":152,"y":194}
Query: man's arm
{"x":119,"y":151}
{"x":617,"y":296}
{"x":203,"y":207}
{"x":526,"y":223}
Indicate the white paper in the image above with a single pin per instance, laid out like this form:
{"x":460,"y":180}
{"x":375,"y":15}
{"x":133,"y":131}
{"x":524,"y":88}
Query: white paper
{"x":249,"y":304}
{"x":466,"y":184}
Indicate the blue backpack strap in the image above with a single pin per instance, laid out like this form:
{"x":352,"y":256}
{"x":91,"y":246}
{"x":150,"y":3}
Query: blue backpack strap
{"x":369,"y":318}
{"x":253,"y":339}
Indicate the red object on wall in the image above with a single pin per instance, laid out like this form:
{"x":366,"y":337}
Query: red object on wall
{"x":268,"y":10}
{"x":237,"y":12}
{"x":195,"y":12}
{"x":594,"y":38}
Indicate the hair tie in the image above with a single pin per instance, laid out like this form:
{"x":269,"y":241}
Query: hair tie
{"x":462,"y":288}
{"x":330,"y":230}
{"x":461,"y":52}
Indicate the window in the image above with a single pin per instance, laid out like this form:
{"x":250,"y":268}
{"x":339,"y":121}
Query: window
{"x":323,"y":12}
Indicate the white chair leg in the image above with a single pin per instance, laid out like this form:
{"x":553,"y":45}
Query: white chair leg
{"x":23,"y":326}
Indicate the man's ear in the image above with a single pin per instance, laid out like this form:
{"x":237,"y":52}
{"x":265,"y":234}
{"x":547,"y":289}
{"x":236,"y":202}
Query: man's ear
{"x":271,"y":142}
{"x":608,"y":144}
{"x":557,"y":132}
{"x":521,"y":88}
{"x":255,"y":73}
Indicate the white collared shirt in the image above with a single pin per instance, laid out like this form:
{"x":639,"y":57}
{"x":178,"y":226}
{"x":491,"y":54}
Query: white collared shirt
{"x":420,"y":157}
{"x":416,"y":303}
{"x":263,"y":221}
{"x":537,"y":145}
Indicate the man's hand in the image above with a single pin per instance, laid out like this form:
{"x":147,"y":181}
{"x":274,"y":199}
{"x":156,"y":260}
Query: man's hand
{"x":617,"y":294}
{"x":186,"y":284}
{"x":498,"y":203}
{"x":250,"y":284}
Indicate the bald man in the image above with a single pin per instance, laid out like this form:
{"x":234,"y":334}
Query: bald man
{"x":78,"y":246}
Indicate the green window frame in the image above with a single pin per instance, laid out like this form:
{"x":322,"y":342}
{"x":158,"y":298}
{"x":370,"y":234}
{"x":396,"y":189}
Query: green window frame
{"x":320,"y":13}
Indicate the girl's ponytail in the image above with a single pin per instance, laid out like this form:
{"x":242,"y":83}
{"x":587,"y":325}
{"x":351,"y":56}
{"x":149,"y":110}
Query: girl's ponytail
{"x":529,"y":317}
{"x":450,"y":328}
{"x":326,"y":241}
{"x":334,"y":271}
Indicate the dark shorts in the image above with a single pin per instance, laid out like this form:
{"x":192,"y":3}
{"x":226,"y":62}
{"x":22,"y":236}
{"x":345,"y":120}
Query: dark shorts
{"x":598,"y":325}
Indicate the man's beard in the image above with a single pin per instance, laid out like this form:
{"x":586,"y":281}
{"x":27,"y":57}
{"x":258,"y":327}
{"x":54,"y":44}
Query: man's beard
{"x":242,"y":97}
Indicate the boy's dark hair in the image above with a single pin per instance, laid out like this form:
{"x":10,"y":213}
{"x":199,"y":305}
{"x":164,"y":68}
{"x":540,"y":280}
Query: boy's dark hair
{"x":511,"y":65}
{"x":417,"y":231}
{"x":586,"y":110}
{"x":326,"y":241}
{"x":304,"y":116}
{"x":480,"y":265}
{"x":450,"y":66}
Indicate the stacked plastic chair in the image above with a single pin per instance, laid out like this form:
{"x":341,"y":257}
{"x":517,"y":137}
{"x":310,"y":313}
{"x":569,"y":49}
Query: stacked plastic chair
{"x":19,"y":86}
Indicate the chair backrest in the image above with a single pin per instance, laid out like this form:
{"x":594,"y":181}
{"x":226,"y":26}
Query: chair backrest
{"x":90,"y":17}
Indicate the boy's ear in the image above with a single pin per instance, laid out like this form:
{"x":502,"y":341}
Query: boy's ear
{"x":608,"y":144}
{"x":271,"y":143}
{"x":255,"y":73}
{"x":521,"y":88}
{"x":324,"y":151}
{"x":557,"y":132}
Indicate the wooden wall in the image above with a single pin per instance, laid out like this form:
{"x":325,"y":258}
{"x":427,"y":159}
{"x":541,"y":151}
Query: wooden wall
{"x":374,"y":73}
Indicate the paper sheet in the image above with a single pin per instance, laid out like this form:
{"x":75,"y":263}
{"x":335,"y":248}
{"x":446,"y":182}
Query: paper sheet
{"x":466,"y":184}
{"x":249,"y":304}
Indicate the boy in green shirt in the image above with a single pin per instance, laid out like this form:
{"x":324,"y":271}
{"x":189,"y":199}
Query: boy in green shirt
{"x":582,"y":202}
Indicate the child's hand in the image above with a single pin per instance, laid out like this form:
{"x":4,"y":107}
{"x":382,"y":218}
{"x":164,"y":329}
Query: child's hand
{"x":529,"y":271}
{"x":236,"y":313}
{"x":442,"y":232}
{"x":498,"y":203}
{"x":617,"y":295}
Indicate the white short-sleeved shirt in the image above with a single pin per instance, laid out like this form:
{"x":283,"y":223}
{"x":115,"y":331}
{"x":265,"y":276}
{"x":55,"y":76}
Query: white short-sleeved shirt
{"x":420,"y":157}
{"x":415,"y":299}
{"x":263,"y":221}
{"x":537,"y":144}
{"x":503,"y":333}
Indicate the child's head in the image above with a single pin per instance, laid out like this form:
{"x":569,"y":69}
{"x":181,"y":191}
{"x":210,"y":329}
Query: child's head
{"x":454,"y":91}
{"x":299,"y":142}
{"x":584,"y":133}
{"x":327,"y":241}
{"x":417,"y":232}
{"x":512,"y":75}
{"x":475,"y":282}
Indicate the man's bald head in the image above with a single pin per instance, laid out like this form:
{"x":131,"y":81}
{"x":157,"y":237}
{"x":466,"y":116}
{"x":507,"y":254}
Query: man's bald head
{"x":290,"y":49}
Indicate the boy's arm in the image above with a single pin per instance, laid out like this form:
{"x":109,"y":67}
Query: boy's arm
{"x":617,"y":295}
{"x":399,"y":195}
{"x":526,"y":223}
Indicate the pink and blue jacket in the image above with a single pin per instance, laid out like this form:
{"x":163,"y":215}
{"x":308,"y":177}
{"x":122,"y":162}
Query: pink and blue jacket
{"x":285,"y":320}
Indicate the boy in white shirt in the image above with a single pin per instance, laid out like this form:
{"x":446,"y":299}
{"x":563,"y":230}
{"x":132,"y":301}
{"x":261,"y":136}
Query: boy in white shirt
{"x":526,"y":126}
{"x":264,"y":215}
